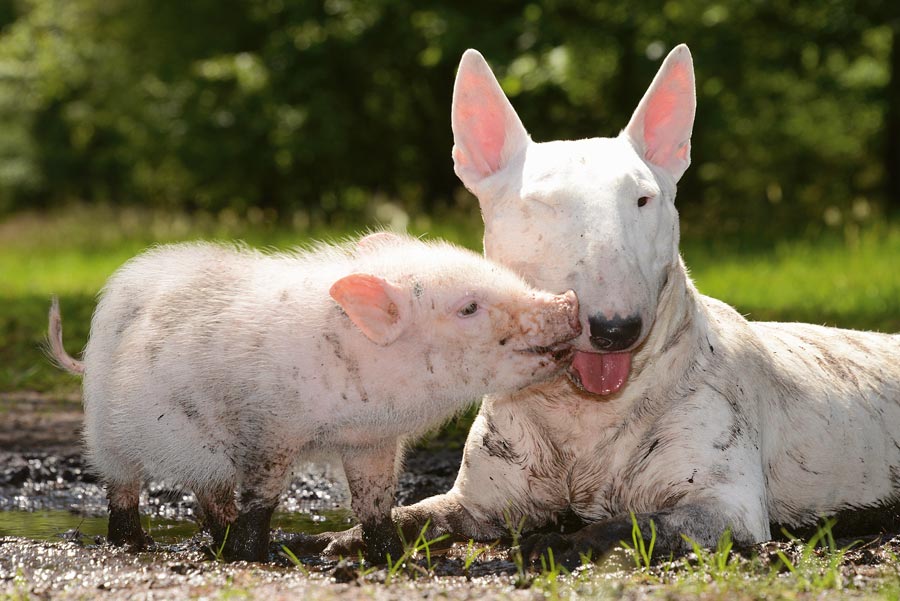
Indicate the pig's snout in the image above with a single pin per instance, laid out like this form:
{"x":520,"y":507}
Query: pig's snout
{"x":552,"y":320}
{"x":562,"y":316}
{"x":570,"y":302}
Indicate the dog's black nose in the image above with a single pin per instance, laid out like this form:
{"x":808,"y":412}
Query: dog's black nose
{"x":614,"y":334}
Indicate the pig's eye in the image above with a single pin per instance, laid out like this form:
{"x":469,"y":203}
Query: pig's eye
{"x":468,"y":310}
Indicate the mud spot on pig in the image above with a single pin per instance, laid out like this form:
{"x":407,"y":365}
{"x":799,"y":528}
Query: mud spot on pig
{"x":153,"y":348}
{"x":184,"y":400}
{"x":336,"y":348}
{"x":394,"y":312}
{"x":258,"y":342}
{"x":128,"y":317}
{"x":351,"y":365}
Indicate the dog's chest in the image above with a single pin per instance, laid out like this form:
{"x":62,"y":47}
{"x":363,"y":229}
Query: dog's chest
{"x":605,"y":483}
{"x":596,"y":464}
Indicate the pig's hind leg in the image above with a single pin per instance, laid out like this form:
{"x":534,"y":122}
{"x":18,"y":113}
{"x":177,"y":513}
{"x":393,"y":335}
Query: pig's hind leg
{"x":217,"y":511}
{"x":247,"y":538}
{"x":261,"y":482}
{"x":124,"y":518}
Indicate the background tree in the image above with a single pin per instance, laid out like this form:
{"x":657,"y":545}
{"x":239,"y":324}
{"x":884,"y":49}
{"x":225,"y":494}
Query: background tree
{"x":320,"y":106}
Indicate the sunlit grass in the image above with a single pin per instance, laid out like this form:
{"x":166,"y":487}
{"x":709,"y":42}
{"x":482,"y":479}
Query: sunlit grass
{"x":846,"y":283}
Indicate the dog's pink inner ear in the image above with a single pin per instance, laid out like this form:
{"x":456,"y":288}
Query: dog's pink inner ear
{"x":479,"y":143}
{"x":668,"y":121}
{"x":486,"y":129}
{"x":663,"y":122}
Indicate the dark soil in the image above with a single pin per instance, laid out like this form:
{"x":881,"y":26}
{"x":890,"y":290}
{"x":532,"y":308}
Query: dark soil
{"x":41,"y":469}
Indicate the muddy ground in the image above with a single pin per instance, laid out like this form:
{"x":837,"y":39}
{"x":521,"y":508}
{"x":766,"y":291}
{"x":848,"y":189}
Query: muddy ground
{"x":42,"y":473}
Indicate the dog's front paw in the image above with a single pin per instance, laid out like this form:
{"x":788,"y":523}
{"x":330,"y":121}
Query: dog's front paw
{"x":307,"y":544}
{"x":347,"y":543}
{"x":544,"y":550}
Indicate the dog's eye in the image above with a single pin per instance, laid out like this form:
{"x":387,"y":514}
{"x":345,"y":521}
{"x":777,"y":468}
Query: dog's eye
{"x":643,"y":200}
{"x":468,"y":310}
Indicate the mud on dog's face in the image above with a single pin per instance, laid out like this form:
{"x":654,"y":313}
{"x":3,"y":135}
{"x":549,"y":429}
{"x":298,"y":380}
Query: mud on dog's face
{"x":595,"y":215}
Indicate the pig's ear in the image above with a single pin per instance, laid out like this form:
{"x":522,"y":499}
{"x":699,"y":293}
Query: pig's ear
{"x":487,"y":132}
{"x":660,"y":128}
{"x":376,"y":240}
{"x":376,"y":306}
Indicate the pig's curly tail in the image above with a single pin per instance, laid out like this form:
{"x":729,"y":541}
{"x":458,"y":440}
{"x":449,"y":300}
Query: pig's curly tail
{"x":54,"y":339}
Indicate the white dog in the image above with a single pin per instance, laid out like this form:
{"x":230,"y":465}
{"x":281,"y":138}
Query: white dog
{"x":676,"y":407}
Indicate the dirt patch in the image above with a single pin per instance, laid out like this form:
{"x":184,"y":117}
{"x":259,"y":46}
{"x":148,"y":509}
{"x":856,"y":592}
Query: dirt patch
{"x":42,"y":473}
{"x":35,"y":422}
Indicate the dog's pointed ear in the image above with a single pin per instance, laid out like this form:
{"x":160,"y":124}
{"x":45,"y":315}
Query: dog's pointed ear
{"x":660,"y":128}
{"x":377,"y":307}
{"x":487,"y":132}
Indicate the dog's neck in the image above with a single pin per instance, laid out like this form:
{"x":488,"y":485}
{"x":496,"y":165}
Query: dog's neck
{"x":673,"y":340}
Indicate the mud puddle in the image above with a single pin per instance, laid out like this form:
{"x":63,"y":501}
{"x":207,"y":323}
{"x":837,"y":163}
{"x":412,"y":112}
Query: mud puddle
{"x":53,"y":517}
{"x":43,"y":496}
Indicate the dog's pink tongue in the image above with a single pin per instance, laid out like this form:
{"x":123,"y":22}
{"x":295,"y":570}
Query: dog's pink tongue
{"x":602,"y":373}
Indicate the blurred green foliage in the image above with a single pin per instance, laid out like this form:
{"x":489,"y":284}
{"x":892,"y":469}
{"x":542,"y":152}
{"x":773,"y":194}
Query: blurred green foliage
{"x":314,"y":110}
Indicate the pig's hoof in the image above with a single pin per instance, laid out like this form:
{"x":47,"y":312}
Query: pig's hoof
{"x":344,"y":572}
{"x":134,"y":541}
{"x":124,"y":529}
{"x":243,"y":546}
{"x":378,"y":550}
{"x":245,"y":552}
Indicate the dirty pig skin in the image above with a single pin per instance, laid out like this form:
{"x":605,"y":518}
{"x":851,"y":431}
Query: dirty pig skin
{"x":218,"y":368}
{"x":676,"y":407}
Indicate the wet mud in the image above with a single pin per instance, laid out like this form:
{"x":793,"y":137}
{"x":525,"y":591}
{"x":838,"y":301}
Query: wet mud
{"x":53,"y":522}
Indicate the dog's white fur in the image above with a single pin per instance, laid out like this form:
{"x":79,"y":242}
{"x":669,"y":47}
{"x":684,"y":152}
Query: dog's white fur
{"x":721,"y":423}
{"x":217,"y":367}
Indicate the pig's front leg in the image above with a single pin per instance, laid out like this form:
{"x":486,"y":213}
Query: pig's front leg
{"x":371,"y":475}
{"x":217,"y":510}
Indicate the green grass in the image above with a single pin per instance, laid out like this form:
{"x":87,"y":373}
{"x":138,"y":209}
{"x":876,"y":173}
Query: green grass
{"x":641,"y":551}
{"x":813,"y":569}
{"x":852,"y":282}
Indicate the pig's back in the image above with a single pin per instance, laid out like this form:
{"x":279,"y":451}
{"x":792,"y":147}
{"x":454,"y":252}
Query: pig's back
{"x":183,"y":344}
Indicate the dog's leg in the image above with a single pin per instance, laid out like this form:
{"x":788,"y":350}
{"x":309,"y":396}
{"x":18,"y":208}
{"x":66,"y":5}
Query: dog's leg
{"x":493,"y":495}
{"x":701,"y":522}
{"x":444,"y":515}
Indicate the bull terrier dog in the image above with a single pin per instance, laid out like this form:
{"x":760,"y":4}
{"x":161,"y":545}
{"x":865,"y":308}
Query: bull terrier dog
{"x":218,"y":368}
{"x":675,"y":407}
